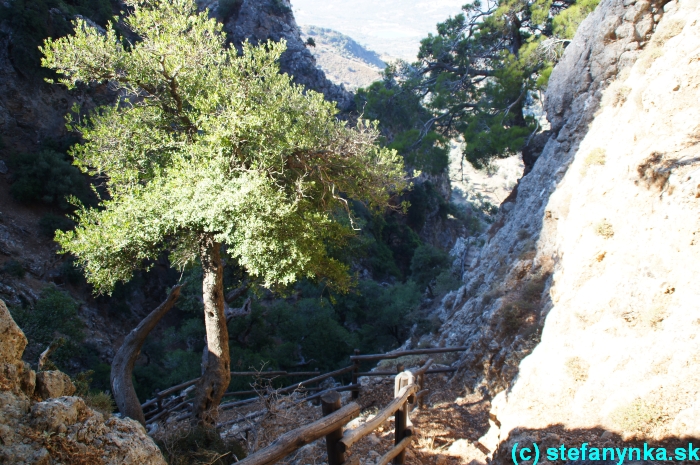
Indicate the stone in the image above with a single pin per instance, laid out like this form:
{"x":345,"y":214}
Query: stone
{"x":51,"y":414}
{"x":12,"y":339}
{"x":53,"y":383}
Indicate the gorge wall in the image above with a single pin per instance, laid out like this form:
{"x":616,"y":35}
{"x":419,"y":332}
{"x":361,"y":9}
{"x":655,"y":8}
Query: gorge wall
{"x":581,"y":311}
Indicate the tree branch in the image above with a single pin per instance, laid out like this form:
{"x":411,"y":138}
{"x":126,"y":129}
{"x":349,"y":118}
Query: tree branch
{"x":123,"y":363}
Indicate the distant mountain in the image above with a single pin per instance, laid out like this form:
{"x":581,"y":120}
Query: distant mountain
{"x":342,"y":59}
{"x":390,"y":27}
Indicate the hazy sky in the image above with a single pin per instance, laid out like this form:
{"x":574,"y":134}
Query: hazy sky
{"x":391,"y":27}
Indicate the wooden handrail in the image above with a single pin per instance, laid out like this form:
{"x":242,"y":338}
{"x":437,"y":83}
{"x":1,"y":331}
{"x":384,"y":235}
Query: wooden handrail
{"x":352,"y":436}
{"x":293,"y":440}
{"x":393,"y":373}
{"x":395,"y":451}
{"x":439,"y":350}
{"x":422,"y":370}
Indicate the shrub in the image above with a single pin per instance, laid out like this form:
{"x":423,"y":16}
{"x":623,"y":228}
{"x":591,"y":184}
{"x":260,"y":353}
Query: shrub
{"x":595,"y":157}
{"x":616,"y":95}
{"x":640,"y":416}
{"x":577,"y":368}
{"x":310,"y":42}
{"x":605,"y":229}
{"x":54,"y":315}
{"x":427,"y":263}
{"x":446,"y":282}
{"x":71,"y":273}
{"x":13,"y":268}
{"x":50,"y":223}
{"x":198,"y":445}
{"x":47,"y":177}
{"x":100,"y":401}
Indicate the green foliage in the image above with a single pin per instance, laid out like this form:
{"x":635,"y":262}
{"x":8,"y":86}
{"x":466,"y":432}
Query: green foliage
{"x":446,"y":281}
{"x":13,"y":268}
{"x":50,"y":223}
{"x":565,"y":24}
{"x":427,"y":264}
{"x":474,"y":79}
{"x":54,"y":315}
{"x":198,"y":445}
{"x":402,"y":118}
{"x":47,"y":177}
{"x":227,"y":148}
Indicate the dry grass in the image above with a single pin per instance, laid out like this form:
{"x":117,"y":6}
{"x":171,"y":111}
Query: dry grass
{"x":64,"y":450}
{"x":101,"y":402}
{"x":616,"y":94}
{"x":639,"y":417}
{"x":183,"y":444}
{"x":577,"y":368}
{"x":604,"y":229}
{"x":648,"y":57}
{"x":655,"y":170}
{"x":595,"y":157}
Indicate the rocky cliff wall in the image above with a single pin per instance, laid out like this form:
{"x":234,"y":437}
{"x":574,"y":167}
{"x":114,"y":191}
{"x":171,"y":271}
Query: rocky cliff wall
{"x":594,"y":264}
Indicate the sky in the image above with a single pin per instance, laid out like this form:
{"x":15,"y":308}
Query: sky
{"x":389,"y":27}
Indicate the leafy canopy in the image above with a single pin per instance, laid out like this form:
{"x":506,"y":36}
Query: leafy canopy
{"x":477,"y":77}
{"x":210,"y":141}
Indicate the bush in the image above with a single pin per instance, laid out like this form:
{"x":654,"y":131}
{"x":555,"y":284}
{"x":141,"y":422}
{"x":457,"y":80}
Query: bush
{"x":198,"y":445}
{"x":13,"y":268}
{"x":54,"y":315}
{"x":604,"y":229}
{"x":427,"y":263}
{"x":47,"y":177}
{"x":446,"y":282}
{"x":71,"y":273}
{"x":50,"y":223}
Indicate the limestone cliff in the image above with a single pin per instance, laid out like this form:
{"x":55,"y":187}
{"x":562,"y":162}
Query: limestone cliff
{"x":595,"y":262}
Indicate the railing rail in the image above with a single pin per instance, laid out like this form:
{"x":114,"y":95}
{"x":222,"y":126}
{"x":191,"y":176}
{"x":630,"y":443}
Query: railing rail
{"x":335,"y":417}
{"x":160,"y":407}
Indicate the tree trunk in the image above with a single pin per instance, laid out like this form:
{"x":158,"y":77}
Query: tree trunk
{"x":216,"y":360}
{"x":123,"y":363}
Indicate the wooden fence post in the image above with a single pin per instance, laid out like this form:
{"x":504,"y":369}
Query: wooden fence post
{"x":400,"y":418}
{"x":355,"y":371}
{"x":421,"y":386}
{"x":330,"y":402}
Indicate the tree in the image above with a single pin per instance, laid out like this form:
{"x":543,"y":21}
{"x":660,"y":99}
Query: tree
{"x":476,"y":76}
{"x":210,"y":146}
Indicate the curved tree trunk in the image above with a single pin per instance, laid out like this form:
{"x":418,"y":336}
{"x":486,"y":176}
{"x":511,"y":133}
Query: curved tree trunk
{"x":123,"y":363}
{"x":216,"y":360}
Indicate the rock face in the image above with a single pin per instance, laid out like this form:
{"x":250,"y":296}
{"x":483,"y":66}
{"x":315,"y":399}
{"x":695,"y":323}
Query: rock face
{"x":599,"y":249}
{"x":63,"y":429}
{"x":261,"y":20}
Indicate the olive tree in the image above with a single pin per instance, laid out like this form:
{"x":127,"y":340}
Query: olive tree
{"x":209,"y":146}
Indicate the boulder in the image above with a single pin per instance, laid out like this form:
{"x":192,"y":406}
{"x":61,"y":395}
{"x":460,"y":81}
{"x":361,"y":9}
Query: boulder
{"x":54,"y":383}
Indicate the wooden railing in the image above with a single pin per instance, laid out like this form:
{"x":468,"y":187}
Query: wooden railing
{"x":160,"y":407}
{"x":339,"y":442}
